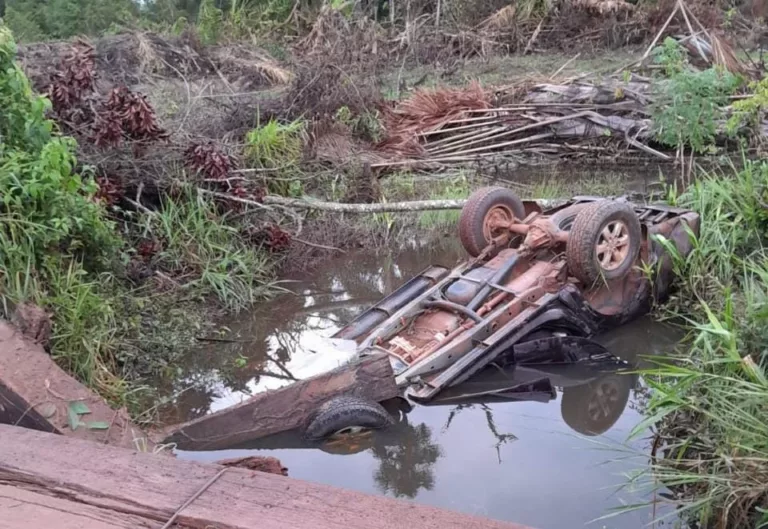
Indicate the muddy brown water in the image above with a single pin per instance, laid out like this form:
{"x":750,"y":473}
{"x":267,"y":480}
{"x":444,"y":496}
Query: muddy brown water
{"x":533,"y":462}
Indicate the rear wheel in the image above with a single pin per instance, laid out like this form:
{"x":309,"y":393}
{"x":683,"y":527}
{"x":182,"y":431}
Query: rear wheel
{"x":484,"y":216}
{"x":604,"y":242}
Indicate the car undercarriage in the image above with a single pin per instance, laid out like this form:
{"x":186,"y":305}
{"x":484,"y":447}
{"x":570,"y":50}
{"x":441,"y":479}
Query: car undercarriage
{"x":534,"y":280}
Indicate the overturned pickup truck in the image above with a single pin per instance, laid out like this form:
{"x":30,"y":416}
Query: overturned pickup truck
{"x":538,"y":283}
{"x":537,"y":287}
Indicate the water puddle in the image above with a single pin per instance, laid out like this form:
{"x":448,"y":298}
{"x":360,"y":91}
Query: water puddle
{"x":541,"y":461}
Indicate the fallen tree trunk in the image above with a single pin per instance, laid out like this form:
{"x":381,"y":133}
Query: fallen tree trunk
{"x":287,"y":408}
{"x":36,"y":393}
{"x":380,"y":207}
{"x":383,"y":207}
{"x":52,"y":481}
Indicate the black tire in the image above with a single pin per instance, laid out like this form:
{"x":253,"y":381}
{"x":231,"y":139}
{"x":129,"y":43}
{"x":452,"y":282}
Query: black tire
{"x":347,"y":412}
{"x":564,"y":218}
{"x":473,"y":215}
{"x":587,"y":231}
{"x":593,"y":409}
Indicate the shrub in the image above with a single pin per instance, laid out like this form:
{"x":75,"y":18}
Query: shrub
{"x":689,"y":105}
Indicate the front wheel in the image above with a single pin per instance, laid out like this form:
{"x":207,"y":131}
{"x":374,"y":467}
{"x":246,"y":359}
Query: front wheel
{"x":347,"y":415}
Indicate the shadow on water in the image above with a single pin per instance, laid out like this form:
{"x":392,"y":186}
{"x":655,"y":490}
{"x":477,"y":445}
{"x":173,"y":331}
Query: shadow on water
{"x":503,"y":444}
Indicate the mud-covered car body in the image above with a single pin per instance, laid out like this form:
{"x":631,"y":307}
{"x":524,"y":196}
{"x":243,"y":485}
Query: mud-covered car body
{"x":529,"y":290}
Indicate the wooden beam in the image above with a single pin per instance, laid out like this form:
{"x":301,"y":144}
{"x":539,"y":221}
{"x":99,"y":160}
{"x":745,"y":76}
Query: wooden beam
{"x":103,"y":487}
{"x":36,"y":393}
{"x":286,"y":408}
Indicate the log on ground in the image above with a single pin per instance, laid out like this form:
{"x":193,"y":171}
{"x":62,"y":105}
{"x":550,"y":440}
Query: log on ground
{"x":287,"y":408}
{"x":36,"y":393}
{"x":54,"y":481}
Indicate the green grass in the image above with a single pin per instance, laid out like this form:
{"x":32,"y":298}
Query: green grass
{"x":709,"y":404}
{"x":454,"y":189}
{"x":275,"y":144}
{"x":207,"y":255}
{"x":563,"y":187}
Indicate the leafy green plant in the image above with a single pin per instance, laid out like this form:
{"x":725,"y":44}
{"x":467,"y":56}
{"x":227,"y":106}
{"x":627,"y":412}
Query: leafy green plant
{"x":748,"y":112}
{"x":671,"y":56}
{"x":366,"y":125}
{"x":689,"y":104}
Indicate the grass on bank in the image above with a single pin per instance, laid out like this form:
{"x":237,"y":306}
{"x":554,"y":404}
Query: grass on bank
{"x":61,"y":250}
{"x":206,"y":255}
{"x":709,"y":404}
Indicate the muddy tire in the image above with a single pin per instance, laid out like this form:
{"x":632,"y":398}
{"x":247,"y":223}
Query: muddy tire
{"x":483,"y":206}
{"x":604,"y":242}
{"x":347,"y":414}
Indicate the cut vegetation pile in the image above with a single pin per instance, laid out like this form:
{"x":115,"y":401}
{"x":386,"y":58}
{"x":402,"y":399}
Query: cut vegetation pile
{"x":688,"y":106}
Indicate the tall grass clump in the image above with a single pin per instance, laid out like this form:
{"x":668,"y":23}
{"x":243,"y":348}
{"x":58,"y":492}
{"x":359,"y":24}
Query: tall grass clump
{"x":709,"y":404}
{"x":211,"y":257}
{"x":279,"y":147}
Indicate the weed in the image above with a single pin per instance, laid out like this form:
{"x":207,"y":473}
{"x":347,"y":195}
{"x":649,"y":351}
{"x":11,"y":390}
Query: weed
{"x":399,"y":186}
{"x":748,"y":113}
{"x":558,"y":187}
{"x":276,"y":146}
{"x":549,"y":188}
{"x":366,"y":125}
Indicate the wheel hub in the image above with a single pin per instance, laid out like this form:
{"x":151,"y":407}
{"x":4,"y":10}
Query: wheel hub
{"x":612,"y":246}
{"x":496,"y":219}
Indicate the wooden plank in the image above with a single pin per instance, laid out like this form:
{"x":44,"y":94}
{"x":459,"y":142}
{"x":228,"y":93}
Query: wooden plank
{"x":286,"y":408}
{"x":35,"y":393}
{"x":152,"y":488}
{"x":25,"y":509}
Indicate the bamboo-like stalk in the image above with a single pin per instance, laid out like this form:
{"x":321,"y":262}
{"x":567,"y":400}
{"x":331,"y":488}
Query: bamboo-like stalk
{"x":466,"y":141}
{"x":488,"y":121}
{"x":504,"y":144}
{"x":538,"y":125}
{"x":457,"y":137}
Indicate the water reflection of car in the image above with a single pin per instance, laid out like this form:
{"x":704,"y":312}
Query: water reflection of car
{"x":536,"y":283}
{"x":594,"y":391}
